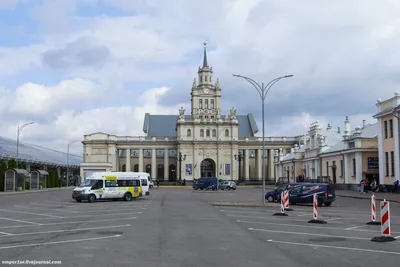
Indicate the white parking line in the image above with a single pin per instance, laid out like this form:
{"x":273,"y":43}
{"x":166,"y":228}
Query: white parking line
{"x":334,"y":247}
{"x":332,"y":219}
{"x":95,"y":211}
{"x":61,"y":223}
{"x":8,"y":219}
{"x":355,"y":227}
{"x":85,"y":216}
{"x":68,"y":230}
{"x":271,"y":217}
{"x":4,"y":233}
{"x":60,"y":242}
{"x":30,"y":213}
{"x":397,"y":237}
{"x":38,"y":208}
{"x":310,"y":234}
{"x":312,"y":226}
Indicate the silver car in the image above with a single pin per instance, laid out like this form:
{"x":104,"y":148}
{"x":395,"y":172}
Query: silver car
{"x":228,"y":185}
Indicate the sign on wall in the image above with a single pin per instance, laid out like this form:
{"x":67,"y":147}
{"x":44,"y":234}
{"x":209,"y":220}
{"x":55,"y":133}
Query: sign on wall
{"x":373,"y":163}
{"x":188,"y":169}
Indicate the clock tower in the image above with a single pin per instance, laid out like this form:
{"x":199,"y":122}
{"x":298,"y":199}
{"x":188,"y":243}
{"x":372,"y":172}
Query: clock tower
{"x":206,"y":95}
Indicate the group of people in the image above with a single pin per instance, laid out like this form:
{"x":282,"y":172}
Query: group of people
{"x":373,"y":186}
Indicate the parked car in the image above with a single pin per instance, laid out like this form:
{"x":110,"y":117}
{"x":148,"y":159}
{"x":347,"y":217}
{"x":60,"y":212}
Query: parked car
{"x":304,"y":193}
{"x":275,"y":195}
{"x":228,"y":185}
{"x":206,"y":183}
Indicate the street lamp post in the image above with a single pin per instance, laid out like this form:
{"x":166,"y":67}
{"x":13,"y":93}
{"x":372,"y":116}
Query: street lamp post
{"x":239,"y":158}
{"x":68,"y":146}
{"x":180,"y":159}
{"x":263,"y":91}
{"x":20,"y":128}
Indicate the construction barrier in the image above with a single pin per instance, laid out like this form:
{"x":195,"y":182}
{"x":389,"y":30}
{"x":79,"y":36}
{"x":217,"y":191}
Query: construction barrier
{"x":282,"y":213}
{"x":373,"y":212}
{"x":385,"y":220}
{"x":315,"y":211}
{"x":286,"y":194}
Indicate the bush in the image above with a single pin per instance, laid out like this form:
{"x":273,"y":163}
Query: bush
{"x":3,"y":168}
{"x":26,"y":185}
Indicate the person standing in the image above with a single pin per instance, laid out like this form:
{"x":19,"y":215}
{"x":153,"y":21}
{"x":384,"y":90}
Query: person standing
{"x":395,"y":185}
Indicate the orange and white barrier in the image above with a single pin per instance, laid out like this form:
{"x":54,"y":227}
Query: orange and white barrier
{"x":373,"y":212}
{"x":315,"y":211}
{"x":385,"y":220}
{"x":282,"y":213}
{"x":286,"y":194}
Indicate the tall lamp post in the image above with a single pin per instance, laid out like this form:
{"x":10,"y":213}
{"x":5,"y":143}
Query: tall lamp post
{"x":68,"y":146}
{"x":263,"y":91}
{"x":239,"y":157}
{"x":20,"y":128}
{"x":180,"y":159}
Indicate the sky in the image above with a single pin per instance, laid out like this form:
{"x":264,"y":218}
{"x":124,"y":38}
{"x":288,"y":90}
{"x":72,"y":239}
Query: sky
{"x":76,"y":67}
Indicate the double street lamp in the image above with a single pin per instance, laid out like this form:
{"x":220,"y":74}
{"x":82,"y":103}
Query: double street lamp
{"x":68,"y":146}
{"x":180,"y":159}
{"x":239,"y":157}
{"x":20,"y":128}
{"x":263,"y":91}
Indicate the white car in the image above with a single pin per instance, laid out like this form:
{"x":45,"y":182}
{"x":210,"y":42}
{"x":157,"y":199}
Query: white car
{"x":228,"y":185}
{"x":151,"y":184}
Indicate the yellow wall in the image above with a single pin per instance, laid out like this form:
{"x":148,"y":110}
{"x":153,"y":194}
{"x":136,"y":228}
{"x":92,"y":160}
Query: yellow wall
{"x":330,"y":160}
{"x":369,"y":143}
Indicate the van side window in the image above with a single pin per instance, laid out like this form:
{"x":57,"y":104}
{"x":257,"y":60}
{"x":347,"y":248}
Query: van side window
{"x":98,"y":185}
{"x":144,"y":182}
{"x":122,"y":183}
{"x":111,"y":183}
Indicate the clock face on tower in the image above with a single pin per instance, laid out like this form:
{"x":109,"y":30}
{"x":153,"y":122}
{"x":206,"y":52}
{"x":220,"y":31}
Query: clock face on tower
{"x":205,"y":90}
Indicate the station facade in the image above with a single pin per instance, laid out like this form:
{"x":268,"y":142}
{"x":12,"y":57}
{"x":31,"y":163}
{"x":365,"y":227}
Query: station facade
{"x":202,"y":143}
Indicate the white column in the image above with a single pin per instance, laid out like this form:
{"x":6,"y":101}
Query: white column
{"x":141,"y":160}
{"x":358,"y":167}
{"x":396,"y":146}
{"x":128,"y":160}
{"x":259,"y":164}
{"x":195,"y":160}
{"x":246,"y":164}
{"x":233,"y":164}
{"x":346,"y":169}
{"x":380,"y":153}
{"x":166,"y":164}
{"x":271,"y":169}
{"x":316,"y":174}
{"x":153,"y":164}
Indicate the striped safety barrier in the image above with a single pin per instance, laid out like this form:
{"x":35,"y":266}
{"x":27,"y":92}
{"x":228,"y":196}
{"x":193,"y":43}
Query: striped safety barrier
{"x":373,"y":212}
{"x":315,"y":211}
{"x":282,"y":213}
{"x":385,"y":221}
{"x":286,"y":194}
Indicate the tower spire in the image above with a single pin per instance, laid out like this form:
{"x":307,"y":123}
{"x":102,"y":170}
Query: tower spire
{"x":205,"y":64}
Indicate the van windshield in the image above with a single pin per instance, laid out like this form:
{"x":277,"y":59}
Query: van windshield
{"x":89,"y":182}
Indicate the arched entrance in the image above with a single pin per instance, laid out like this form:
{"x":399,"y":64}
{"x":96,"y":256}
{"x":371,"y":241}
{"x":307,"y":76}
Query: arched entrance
{"x":207,"y":168}
{"x":172,"y":173}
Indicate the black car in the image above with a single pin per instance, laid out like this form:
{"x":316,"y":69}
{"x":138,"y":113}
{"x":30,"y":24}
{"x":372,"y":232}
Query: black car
{"x":304,"y":193}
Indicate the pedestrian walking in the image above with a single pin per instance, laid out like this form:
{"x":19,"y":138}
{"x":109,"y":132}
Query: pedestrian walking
{"x":158,"y":183}
{"x":59,"y":183}
{"x":395,"y":185}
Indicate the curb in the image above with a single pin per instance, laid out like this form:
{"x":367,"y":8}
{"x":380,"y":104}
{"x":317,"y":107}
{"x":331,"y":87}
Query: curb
{"x":356,"y":197}
{"x":243,"y":204}
{"x":34,"y":191}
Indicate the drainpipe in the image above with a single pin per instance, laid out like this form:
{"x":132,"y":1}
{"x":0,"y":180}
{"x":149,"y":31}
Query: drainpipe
{"x":294,"y":170}
{"x":342,"y":169}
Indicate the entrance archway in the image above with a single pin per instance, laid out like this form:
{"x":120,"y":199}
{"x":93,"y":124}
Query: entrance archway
{"x":207,"y":168}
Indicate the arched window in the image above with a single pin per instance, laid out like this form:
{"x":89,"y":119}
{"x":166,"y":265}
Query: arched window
{"x":124,"y":168}
{"x":214,"y":133}
{"x":189,"y":132}
{"x":136,"y":168}
{"x":201,"y":133}
{"x":200,"y":103}
{"x":226,"y":132}
{"x":148,"y":168}
{"x":206,"y":103}
{"x":208,"y":132}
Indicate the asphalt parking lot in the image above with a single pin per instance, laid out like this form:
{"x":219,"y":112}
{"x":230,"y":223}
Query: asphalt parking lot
{"x":180,"y":227}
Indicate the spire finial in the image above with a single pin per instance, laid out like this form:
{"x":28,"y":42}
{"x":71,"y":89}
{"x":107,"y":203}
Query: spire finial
{"x":205,"y":64}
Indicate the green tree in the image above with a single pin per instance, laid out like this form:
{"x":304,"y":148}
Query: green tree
{"x":3,"y":168}
{"x":12,"y":163}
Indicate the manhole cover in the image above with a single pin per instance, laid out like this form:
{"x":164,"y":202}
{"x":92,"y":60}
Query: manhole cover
{"x":327,"y":239}
{"x":109,"y":233}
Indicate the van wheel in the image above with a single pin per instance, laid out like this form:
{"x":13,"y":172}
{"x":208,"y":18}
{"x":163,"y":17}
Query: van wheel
{"x":128,"y":197}
{"x":270,"y":199}
{"x":91,"y":198}
{"x":78,"y":200}
{"x":327,"y":204}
